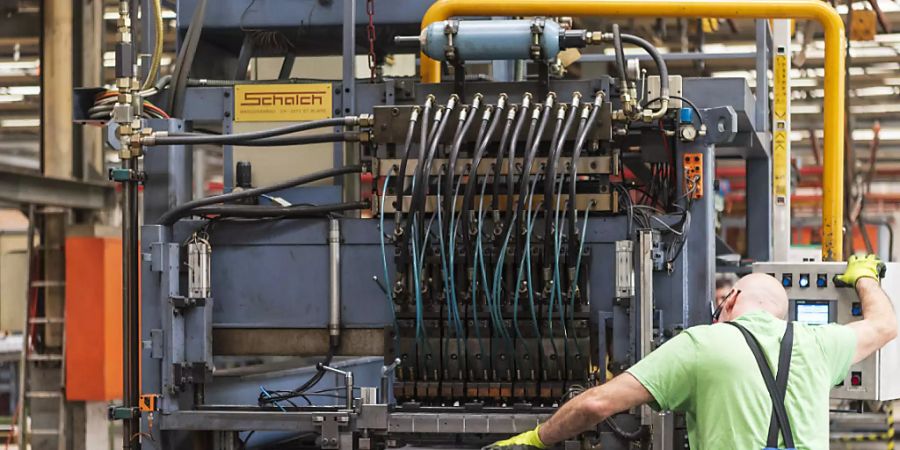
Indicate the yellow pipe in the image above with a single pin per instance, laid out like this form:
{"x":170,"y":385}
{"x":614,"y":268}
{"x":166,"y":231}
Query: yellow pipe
{"x":833,"y":170}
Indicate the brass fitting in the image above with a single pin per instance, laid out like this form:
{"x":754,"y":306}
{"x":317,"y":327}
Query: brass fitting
{"x":366,"y":120}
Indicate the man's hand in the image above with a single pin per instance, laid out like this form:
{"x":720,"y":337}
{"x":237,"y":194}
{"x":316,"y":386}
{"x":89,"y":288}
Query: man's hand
{"x":528,"y":438}
{"x":868,"y":266}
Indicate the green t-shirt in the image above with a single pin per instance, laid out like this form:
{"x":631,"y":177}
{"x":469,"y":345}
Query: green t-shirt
{"x":709,"y":373}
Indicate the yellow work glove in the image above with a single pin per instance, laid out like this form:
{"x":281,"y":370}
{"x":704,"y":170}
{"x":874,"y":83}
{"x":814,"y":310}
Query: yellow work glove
{"x":858,"y":266}
{"x":528,"y":438}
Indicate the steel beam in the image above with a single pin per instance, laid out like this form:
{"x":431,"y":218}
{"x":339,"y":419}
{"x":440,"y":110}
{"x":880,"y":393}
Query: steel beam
{"x":32,"y":188}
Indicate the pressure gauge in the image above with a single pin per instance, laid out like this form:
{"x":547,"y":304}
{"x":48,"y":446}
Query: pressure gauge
{"x":688,"y":133}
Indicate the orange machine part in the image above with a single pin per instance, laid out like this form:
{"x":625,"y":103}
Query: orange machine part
{"x":93,"y":318}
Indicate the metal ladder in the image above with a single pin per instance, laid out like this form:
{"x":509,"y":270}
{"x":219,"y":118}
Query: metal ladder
{"x":42,"y":401}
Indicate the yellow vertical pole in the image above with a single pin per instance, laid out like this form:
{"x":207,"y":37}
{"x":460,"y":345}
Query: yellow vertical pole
{"x":832,"y":177}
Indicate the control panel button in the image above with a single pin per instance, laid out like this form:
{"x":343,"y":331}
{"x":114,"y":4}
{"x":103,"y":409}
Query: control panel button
{"x":803,"y":282}
{"x":855,"y":378}
{"x":787,"y":279}
{"x":822,"y":280}
{"x":856,"y":309}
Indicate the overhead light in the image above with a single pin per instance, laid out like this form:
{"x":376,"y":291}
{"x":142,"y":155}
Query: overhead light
{"x":6,"y":98}
{"x":892,"y":81}
{"x":875,"y":91}
{"x":20,"y":123}
{"x":112,"y":14}
{"x":805,"y":109}
{"x":875,"y":109}
{"x":885,"y":134}
{"x":20,"y":90}
{"x":804,"y":82}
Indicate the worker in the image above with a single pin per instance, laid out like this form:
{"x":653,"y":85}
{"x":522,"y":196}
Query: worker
{"x":710,"y":373}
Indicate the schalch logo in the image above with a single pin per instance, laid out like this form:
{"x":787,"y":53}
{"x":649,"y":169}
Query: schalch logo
{"x":294,"y":98}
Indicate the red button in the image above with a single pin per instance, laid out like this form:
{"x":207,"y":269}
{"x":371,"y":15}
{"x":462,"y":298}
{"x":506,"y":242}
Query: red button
{"x":856,"y":379}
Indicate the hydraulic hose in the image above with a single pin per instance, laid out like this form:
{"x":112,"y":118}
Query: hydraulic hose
{"x":157,"y":45}
{"x":620,"y":56}
{"x":534,"y":140}
{"x":421,"y":190}
{"x":453,"y":157}
{"x":185,"y":209}
{"x":660,"y":66}
{"x":473,"y":173}
{"x":258,"y":211}
{"x":241,"y":138}
{"x":550,"y":170}
{"x":501,"y":153}
{"x":576,"y":153}
{"x":511,"y":166}
{"x":401,"y":178}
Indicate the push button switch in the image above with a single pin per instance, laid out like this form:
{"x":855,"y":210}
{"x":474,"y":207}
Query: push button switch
{"x":855,"y":378}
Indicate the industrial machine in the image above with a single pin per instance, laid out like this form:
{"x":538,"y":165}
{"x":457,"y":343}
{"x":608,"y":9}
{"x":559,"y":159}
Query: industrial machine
{"x":817,"y":299}
{"x":477,"y":252}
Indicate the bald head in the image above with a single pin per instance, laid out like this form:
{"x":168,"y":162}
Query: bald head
{"x":758,"y":291}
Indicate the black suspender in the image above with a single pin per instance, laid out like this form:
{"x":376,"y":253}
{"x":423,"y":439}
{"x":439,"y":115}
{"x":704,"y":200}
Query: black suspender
{"x":777,"y":387}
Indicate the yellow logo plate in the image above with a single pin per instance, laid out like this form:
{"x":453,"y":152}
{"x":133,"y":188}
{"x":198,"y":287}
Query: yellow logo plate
{"x":282,"y":102}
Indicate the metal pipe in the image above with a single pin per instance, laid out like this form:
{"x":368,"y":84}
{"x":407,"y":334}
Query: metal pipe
{"x":334,"y":261}
{"x":832,"y":208}
{"x":130,"y":307}
{"x":348,"y":382}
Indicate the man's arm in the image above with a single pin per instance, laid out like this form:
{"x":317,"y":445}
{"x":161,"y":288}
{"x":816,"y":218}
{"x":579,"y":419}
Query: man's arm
{"x":585,"y":411}
{"x":879,"y":323}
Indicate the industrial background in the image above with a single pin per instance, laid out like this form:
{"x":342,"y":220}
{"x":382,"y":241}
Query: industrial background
{"x":371,"y":224}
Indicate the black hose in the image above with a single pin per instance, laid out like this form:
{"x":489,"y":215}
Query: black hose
{"x":453,"y":157}
{"x":534,"y":139}
{"x":625,"y":435}
{"x":401,"y":176}
{"x":185,"y":209}
{"x":550,"y":181}
{"x":258,"y":211}
{"x":501,"y":153}
{"x":469,"y":193}
{"x":657,"y":59}
{"x":620,"y":56}
{"x":185,"y":60}
{"x":198,"y":138}
{"x":573,"y":177}
{"x":511,"y":166}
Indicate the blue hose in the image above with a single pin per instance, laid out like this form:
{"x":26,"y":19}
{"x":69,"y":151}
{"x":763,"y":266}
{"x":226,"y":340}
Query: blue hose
{"x":387,"y":277}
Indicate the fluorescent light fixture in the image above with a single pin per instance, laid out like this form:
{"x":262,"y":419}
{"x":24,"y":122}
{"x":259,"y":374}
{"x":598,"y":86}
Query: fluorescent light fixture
{"x":20,"y":123}
{"x":892,"y":81}
{"x":7,"y":98}
{"x":113,"y":14}
{"x":887,"y":37}
{"x":886,"y":134}
{"x":803,"y":82}
{"x":805,"y":109}
{"x":875,"y":109}
{"x":875,"y":91}
{"x":20,"y":90}
{"x":19,"y":65}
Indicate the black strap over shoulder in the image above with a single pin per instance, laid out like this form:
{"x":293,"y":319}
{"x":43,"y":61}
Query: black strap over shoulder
{"x":777,"y":387}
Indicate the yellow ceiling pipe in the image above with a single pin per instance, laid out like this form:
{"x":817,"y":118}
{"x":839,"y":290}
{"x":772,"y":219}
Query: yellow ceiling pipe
{"x":832,"y":176}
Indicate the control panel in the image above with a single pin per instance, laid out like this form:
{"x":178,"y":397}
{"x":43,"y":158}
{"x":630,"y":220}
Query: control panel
{"x":816,"y":299}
